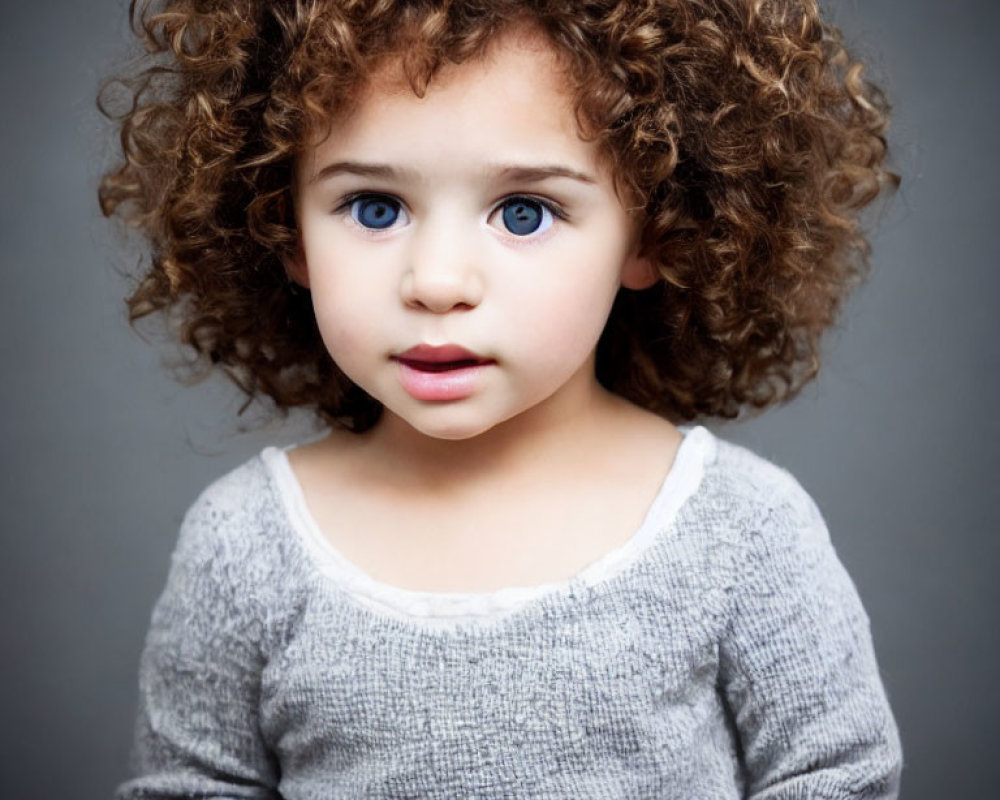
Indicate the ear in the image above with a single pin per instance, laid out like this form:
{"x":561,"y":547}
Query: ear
{"x":296,"y":267}
{"x":638,"y":272}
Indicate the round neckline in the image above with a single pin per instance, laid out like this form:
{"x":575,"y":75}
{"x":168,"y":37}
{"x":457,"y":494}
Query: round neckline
{"x":680,"y":482}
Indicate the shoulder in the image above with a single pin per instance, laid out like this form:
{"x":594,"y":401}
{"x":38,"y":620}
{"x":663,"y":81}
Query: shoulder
{"x":746,"y":485}
{"x":756,"y":518}
{"x":235,"y":497}
{"x":236,"y":558}
{"x":236,"y":520}
{"x":770,"y":535}
{"x":230,"y":581}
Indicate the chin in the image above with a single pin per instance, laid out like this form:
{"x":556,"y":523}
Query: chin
{"x":452,"y":423}
{"x":452,"y":432}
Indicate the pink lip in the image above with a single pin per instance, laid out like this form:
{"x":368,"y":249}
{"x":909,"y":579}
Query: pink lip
{"x":448,"y":372}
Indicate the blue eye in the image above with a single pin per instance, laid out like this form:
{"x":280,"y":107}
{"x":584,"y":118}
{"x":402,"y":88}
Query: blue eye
{"x":375,"y":211}
{"x":523,"y":216}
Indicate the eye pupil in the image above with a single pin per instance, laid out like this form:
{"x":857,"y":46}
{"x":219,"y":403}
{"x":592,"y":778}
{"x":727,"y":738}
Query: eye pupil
{"x":522,"y":216}
{"x":376,"y":212}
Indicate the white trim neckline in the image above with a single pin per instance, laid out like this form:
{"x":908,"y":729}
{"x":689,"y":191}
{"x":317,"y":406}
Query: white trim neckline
{"x":695,"y":451}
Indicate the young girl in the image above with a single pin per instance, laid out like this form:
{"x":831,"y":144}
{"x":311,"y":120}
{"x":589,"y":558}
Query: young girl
{"x":501,"y":249}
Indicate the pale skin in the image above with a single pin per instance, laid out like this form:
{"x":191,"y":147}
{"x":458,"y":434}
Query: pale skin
{"x":539,"y":471}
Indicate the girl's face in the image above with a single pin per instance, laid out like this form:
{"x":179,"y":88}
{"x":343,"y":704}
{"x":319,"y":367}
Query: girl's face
{"x":463,"y":250}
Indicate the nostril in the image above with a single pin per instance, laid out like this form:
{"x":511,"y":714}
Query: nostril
{"x":439,"y":304}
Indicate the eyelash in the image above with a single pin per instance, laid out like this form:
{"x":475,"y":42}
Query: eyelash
{"x":553,"y":208}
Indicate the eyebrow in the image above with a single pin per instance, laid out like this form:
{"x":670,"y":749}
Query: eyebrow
{"x":514,"y":172}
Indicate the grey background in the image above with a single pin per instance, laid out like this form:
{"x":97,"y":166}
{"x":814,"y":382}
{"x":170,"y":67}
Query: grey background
{"x":102,"y":451}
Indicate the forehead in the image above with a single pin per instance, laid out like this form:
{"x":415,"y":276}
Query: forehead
{"x":514,"y":101}
{"x":519,"y":44}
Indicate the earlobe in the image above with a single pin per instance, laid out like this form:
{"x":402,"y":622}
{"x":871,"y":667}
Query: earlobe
{"x":295,"y":266}
{"x":639,"y":273}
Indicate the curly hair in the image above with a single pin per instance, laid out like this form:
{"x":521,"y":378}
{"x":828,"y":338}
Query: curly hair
{"x":743,"y":127}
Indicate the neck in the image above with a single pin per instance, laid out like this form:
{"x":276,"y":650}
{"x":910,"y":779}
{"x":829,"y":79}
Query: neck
{"x":535,"y":441}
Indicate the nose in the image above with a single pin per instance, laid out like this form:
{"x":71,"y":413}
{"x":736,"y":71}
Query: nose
{"x":441,"y":274}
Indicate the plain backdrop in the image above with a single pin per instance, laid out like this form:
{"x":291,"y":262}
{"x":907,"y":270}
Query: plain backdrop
{"x":103,"y":451}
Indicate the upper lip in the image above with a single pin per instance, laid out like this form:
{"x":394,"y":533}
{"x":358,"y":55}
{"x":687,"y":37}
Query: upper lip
{"x":444,"y":354}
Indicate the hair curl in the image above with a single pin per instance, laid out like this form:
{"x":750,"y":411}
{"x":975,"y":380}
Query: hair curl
{"x":743,"y":126}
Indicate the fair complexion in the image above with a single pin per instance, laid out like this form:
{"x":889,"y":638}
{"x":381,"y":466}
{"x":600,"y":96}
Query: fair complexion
{"x":476,"y":218}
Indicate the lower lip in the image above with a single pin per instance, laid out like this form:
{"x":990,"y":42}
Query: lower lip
{"x":451,"y":384}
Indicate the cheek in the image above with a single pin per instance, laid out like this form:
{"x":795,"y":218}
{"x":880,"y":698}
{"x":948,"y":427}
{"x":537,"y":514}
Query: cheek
{"x":560,"y":321}
{"x":344,"y":309}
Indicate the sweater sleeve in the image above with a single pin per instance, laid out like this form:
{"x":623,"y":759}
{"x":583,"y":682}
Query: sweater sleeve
{"x":197,"y":732}
{"x":798,"y":667}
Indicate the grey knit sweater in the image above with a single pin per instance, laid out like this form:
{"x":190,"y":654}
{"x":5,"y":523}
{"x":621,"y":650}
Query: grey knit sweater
{"x":722,"y":652}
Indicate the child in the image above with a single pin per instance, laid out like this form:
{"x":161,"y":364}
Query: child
{"x":500,"y":249}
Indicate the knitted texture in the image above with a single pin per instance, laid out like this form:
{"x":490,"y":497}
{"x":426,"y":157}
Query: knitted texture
{"x":728,"y":658}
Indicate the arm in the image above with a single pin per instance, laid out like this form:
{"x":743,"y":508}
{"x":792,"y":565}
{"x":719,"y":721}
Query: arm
{"x":798,"y":668}
{"x":197,"y":731}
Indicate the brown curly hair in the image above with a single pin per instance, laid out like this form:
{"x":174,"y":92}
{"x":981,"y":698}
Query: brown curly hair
{"x":743,"y":126}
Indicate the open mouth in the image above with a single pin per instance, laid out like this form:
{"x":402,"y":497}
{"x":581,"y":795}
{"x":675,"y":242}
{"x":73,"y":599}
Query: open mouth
{"x":440,"y":358}
{"x":441,"y":374}
{"x":441,"y":366}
